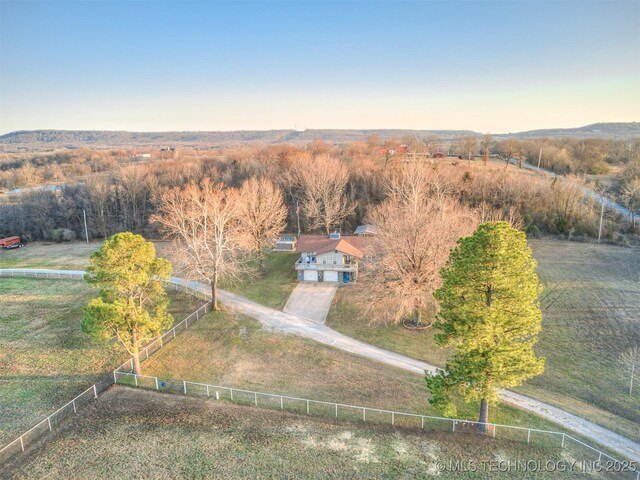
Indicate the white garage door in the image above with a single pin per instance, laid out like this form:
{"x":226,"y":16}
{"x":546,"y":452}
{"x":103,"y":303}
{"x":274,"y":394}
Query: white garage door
{"x":311,"y":275}
{"x":330,"y":276}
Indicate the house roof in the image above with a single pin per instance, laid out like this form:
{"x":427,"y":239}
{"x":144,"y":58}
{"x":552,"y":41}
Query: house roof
{"x":366,"y":229}
{"x":350,"y":245}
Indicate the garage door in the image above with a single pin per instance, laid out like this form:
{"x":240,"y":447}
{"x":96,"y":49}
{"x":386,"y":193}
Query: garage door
{"x":330,"y":276}
{"x":311,"y":275}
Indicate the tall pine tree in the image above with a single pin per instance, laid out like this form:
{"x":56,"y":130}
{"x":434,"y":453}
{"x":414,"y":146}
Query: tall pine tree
{"x":489,"y":313}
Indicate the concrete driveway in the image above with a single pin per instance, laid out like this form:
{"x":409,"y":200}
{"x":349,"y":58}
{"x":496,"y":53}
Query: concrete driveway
{"x":311,"y":300}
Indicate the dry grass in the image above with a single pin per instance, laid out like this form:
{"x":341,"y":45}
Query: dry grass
{"x":233,"y":350}
{"x":45,"y":358}
{"x":590,"y":314}
{"x":140,"y":434}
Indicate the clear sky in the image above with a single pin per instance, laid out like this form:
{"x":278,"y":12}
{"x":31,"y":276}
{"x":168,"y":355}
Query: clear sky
{"x":498,"y":67}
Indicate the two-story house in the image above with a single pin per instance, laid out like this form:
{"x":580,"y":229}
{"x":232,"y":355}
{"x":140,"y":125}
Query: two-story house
{"x":332,"y":258}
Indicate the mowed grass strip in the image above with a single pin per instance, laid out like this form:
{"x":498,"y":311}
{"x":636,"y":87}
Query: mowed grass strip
{"x":591,"y":306}
{"x":131,"y":433}
{"x":45,"y":358}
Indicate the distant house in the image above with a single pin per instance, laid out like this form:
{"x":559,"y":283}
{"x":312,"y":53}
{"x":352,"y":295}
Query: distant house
{"x":286,"y":243}
{"x":332,"y":258}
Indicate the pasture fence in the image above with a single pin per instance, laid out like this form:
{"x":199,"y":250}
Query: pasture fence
{"x":46,"y":425}
{"x":593,"y":458}
{"x":598,"y":459}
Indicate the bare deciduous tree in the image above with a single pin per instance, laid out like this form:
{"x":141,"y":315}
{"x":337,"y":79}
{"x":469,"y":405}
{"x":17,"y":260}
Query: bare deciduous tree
{"x":262,"y":215}
{"x":468,"y":146}
{"x":323,"y":184}
{"x":414,"y":245}
{"x":203,"y":221}
{"x":486,"y":147}
{"x":509,"y":149}
{"x":630,"y":358}
{"x":418,"y":224}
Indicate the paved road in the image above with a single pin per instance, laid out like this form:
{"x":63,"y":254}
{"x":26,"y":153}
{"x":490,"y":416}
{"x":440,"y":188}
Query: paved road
{"x":609,"y":203}
{"x":287,"y":323}
{"x":311,"y":300}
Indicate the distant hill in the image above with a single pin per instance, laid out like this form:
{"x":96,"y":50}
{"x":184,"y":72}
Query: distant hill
{"x":619,"y":130}
{"x":50,"y":139}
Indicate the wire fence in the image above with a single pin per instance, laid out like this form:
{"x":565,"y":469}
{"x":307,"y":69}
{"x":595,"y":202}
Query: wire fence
{"x":46,"y":425}
{"x":602,"y":461}
{"x":594,"y":458}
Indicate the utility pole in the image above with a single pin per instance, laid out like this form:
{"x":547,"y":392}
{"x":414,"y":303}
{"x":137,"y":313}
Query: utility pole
{"x":298,"y":216}
{"x":540,"y":157}
{"x":86,"y":230}
{"x":601,"y":217}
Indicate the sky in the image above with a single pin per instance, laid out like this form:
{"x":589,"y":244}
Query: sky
{"x":498,"y":67}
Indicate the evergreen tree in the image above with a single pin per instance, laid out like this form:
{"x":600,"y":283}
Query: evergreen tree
{"x":489,"y":313}
{"x":132,"y":306}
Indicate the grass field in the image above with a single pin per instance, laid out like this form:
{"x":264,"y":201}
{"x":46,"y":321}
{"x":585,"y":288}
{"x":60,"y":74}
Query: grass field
{"x":67,"y":256}
{"x":233,"y":350}
{"x":140,"y":434}
{"x":273,"y":286}
{"x":590,"y":314}
{"x":45,"y":358}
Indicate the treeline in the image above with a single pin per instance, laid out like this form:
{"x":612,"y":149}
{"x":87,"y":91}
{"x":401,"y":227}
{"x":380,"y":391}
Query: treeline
{"x":334,"y":188}
{"x":561,"y":155}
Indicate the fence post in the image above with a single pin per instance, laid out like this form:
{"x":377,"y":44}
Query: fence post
{"x":184,"y":385}
{"x":255,"y":398}
{"x":281,"y":403}
{"x":494,"y":431}
{"x":231,"y":393}
{"x":198,"y":314}
{"x":562,"y":445}
{"x":49,"y":422}
{"x":95,"y":391}
{"x":217,"y":395}
{"x":174,"y":332}
{"x":393,"y":418}
{"x":364,"y":414}
{"x":529,"y":436}
{"x":307,"y":407}
{"x":157,"y":384}
{"x":208,"y":391}
{"x":73,"y":402}
{"x":115,"y":380}
{"x":21,"y":444}
{"x":453,"y":422}
{"x":336,"y":410}
{"x":422,"y":424}
{"x":135,"y":377}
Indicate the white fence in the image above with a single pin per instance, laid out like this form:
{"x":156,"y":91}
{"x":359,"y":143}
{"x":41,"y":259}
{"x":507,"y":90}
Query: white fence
{"x":49,"y":423}
{"x":414,"y":421}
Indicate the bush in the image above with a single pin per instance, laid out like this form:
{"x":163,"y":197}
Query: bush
{"x":63,"y":235}
{"x":600,"y":168}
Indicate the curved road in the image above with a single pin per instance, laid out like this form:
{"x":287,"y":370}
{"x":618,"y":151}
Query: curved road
{"x":287,"y":323}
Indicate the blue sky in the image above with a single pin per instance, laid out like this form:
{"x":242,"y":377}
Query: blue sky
{"x":487,"y":66}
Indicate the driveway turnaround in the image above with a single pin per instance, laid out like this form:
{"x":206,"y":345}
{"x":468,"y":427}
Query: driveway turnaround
{"x":311,"y":300}
{"x":288,"y":323}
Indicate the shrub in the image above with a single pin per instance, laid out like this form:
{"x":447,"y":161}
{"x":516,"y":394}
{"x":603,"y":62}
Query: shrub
{"x":63,"y":235}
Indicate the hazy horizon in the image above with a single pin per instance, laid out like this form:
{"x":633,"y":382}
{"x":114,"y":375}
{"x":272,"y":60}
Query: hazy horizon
{"x":494,"y":67}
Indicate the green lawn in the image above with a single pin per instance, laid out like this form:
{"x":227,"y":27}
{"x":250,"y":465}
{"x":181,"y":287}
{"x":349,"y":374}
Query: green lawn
{"x":45,"y":358}
{"x":141,"y":434}
{"x":273,"y":286}
{"x":590,"y":314}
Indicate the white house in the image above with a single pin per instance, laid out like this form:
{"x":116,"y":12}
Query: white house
{"x":329,"y":259}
